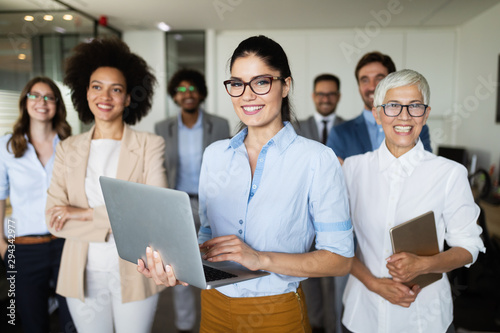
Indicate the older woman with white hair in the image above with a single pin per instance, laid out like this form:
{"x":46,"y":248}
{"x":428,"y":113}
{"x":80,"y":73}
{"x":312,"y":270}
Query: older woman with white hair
{"x":389,"y":186}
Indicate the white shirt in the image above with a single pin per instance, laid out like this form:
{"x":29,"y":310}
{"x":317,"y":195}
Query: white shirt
{"x":385,"y":191}
{"x":319,"y":122}
{"x":103,"y":161}
{"x":25,"y":180}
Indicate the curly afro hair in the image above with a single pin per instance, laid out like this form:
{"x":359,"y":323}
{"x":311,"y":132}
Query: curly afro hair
{"x":192,"y":76}
{"x":109,"y":52}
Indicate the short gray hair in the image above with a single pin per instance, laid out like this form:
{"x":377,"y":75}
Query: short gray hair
{"x":402,"y":78}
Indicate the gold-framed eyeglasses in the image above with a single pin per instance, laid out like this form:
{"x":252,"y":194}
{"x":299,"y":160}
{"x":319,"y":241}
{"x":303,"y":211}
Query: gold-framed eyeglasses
{"x":394,"y":109}
{"x":260,"y":85}
{"x":37,"y":97}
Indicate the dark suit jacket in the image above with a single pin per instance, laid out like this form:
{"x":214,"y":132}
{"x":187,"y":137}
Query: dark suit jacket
{"x":214,"y":128}
{"x":308,"y":128}
{"x":352,"y":138}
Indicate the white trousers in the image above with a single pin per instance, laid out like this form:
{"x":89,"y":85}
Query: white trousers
{"x":103,"y":310}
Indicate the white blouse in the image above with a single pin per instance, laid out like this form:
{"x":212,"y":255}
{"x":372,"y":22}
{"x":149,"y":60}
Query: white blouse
{"x":385,"y":191}
{"x":103,"y":161}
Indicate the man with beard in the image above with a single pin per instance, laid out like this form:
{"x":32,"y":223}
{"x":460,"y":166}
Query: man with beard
{"x":326,"y":95}
{"x":186,"y":137}
{"x":362,"y":134}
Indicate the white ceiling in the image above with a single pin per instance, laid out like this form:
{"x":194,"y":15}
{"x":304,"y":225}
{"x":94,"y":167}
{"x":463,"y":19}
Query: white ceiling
{"x":267,"y":14}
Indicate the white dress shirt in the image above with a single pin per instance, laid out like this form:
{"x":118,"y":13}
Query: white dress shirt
{"x":385,"y":191}
{"x":318,"y":118}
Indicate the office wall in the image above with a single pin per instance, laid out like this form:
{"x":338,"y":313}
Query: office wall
{"x":477,"y":79}
{"x":150,"y":45}
{"x":312,"y":52}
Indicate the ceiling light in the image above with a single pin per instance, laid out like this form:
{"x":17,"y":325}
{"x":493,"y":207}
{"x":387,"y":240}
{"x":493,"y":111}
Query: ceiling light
{"x":29,"y":18}
{"x":21,"y":56}
{"x":67,"y":17}
{"x":60,"y":30}
{"x":48,"y":17}
{"x":163,"y":26}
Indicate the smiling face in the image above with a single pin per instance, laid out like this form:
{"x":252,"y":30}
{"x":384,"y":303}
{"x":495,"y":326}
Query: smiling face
{"x":401,"y":132}
{"x":107,"y":94}
{"x":258,"y":110}
{"x":326,"y":95}
{"x":189,"y":100}
{"x":368,"y":78}
{"x":40,"y":109}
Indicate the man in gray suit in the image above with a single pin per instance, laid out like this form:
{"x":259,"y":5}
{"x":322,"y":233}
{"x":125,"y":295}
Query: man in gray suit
{"x":186,"y":137}
{"x":326,"y":95}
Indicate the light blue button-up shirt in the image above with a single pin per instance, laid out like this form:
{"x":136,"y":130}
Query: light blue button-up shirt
{"x":190,"y":154}
{"x":25,"y":180}
{"x":297,"y":192}
{"x":375,"y":130}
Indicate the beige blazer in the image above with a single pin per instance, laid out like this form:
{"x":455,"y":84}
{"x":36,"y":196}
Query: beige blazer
{"x":141,"y":160}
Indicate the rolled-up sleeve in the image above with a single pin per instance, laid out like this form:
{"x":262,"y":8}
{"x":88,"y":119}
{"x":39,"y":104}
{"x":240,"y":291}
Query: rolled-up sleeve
{"x":461,"y":214}
{"x":329,"y":206}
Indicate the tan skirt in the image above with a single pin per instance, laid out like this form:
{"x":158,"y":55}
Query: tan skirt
{"x":279,"y":313}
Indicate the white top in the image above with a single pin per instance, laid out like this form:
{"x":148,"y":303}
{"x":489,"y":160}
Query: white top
{"x":25,"y":180}
{"x":103,"y":161}
{"x":385,"y":191}
{"x":319,"y":122}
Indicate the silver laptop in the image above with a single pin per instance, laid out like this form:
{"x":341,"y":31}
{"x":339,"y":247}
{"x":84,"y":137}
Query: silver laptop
{"x":143,"y":215}
{"x":417,"y":236}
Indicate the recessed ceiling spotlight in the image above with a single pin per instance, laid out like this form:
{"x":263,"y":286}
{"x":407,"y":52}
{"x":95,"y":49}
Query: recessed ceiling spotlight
{"x":21,"y":56}
{"x":29,"y":18}
{"x":67,"y":17}
{"x":163,"y":26}
{"x":48,"y":17}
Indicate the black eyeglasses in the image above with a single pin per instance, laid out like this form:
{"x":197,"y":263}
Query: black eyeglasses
{"x":37,"y":97}
{"x":394,"y":109}
{"x":327,"y":95}
{"x":260,"y":85}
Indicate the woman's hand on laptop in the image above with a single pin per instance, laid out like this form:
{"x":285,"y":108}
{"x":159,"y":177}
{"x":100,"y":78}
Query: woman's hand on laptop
{"x":162,"y":275}
{"x":232,"y":248}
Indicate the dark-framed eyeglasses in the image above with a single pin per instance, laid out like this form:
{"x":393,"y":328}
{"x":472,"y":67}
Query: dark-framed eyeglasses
{"x":37,"y":97}
{"x":327,"y":95}
{"x":394,"y":109}
{"x":260,"y":85}
{"x":184,"y":89}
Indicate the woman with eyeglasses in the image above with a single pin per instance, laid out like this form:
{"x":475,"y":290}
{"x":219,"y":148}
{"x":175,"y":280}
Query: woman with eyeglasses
{"x":392,"y":185}
{"x":279,"y":190}
{"x":26,"y":246}
{"x":112,"y":87}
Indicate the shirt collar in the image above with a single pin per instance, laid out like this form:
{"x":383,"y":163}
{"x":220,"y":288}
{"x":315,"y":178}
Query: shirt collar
{"x":198,"y":121}
{"x":282,"y":139}
{"x":407,"y":162}
{"x":368,"y":115}
{"x":319,"y":118}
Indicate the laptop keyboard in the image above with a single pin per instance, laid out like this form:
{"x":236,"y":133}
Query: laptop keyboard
{"x":214,"y":274}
